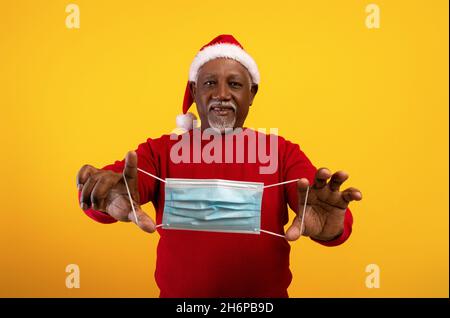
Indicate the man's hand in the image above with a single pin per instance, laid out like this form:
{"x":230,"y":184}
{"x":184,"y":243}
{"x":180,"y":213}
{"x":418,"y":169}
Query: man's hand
{"x":105,"y":191}
{"x":326,"y":206}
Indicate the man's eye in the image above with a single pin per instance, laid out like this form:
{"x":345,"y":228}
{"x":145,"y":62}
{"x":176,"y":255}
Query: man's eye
{"x":209,"y":83}
{"x":235,"y":84}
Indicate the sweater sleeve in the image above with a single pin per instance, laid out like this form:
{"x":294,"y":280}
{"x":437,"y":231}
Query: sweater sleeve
{"x":147,"y":161}
{"x":297,"y":165}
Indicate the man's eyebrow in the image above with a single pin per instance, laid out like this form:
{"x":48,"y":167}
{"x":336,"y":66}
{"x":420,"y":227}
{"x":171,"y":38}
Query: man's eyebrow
{"x":238,"y":75}
{"x":235,"y":76}
{"x":208,"y":75}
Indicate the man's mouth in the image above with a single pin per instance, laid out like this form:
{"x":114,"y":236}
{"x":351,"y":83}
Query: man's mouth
{"x":221,"y":110}
{"x":222,"y":114}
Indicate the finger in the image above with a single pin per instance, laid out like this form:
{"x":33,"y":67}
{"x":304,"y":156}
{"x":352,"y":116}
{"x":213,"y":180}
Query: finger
{"x":143,"y":220}
{"x":321,"y":177}
{"x":130,"y":170}
{"x":293,"y":233}
{"x":337,"y":179}
{"x":100,"y":192}
{"x":85,"y":197}
{"x":83,"y":174}
{"x":351,"y":194}
{"x":302,"y":184}
{"x":302,"y":187}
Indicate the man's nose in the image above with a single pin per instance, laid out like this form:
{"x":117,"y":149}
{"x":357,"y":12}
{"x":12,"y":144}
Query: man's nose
{"x":222,"y":92}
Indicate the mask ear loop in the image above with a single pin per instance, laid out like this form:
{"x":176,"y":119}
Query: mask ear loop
{"x":280,"y":183}
{"x":129,"y":196}
{"x":129,"y":193}
{"x":304,"y":212}
{"x":272,"y":233}
{"x":151,"y":175}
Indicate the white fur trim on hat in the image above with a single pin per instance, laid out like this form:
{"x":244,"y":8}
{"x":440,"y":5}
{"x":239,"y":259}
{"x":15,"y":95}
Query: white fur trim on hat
{"x":224,"y":50}
{"x":185,"y":121}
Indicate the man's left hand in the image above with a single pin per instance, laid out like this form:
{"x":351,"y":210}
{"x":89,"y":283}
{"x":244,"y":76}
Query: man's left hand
{"x":326,"y":206}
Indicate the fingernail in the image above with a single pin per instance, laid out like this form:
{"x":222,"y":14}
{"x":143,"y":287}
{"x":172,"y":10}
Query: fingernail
{"x":79,"y":186}
{"x":83,"y":206}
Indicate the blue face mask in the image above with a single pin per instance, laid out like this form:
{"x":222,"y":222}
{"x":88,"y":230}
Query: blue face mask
{"x":213,"y":205}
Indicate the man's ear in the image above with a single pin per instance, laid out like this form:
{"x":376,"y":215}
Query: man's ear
{"x":193,"y":89}
{"x":253,"y":91}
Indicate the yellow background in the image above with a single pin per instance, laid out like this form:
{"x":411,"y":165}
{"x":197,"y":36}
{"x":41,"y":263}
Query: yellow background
{"x":373,"y":102}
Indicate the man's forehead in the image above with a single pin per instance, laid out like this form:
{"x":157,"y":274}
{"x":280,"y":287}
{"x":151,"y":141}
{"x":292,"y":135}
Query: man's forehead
{"x":216,"y":66}
{"x":210,"y":74}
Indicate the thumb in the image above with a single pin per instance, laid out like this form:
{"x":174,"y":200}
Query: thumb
{"x":293,"y":233}
{"x":130,"y":173}
{"x":302,"y":188}
{"x":144,"y":222}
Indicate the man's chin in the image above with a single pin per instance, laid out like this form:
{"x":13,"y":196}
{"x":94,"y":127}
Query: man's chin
{"x":220,"y":125}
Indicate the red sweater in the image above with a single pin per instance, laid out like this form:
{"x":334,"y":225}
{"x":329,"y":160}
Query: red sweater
{"x":210,"y":264}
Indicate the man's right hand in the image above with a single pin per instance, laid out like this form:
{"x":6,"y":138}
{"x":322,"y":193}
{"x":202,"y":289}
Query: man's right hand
{"x":105,"y":191}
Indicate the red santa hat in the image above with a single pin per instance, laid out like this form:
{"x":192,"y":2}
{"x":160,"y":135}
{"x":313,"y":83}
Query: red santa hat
{"x":222,"y":46}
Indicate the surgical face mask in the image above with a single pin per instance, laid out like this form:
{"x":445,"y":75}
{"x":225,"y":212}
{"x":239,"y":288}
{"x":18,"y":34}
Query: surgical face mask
{"x":213,"y":205}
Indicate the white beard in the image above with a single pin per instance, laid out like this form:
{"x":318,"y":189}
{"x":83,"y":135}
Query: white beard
{"x":220,"y":122}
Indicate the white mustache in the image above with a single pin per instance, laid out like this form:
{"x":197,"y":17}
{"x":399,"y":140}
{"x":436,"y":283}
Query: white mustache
{"x":221,"y":104}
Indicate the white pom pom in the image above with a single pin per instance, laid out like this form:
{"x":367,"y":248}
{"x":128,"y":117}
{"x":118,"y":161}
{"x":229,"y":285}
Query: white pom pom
{"x":185,"y":121}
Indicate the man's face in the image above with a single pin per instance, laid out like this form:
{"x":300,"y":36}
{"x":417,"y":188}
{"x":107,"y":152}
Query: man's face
{"x":223,"y":94}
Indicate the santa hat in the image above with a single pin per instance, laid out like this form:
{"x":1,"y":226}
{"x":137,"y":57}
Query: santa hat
{"x":223,"y":46}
